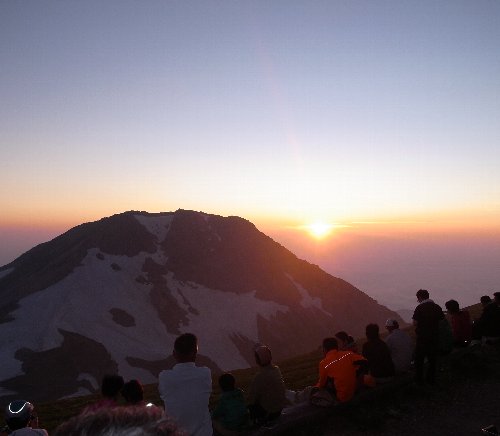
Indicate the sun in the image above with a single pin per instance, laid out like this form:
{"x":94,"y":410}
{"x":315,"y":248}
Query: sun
{"x":319,"y":229}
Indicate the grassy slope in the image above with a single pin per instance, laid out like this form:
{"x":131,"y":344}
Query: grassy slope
{"x":298,"y":372}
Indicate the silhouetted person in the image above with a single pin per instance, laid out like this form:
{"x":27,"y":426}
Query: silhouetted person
{"x":185,"y":389}
{"x":121,"y":421}
{"x":231,"y":413}
{"x":266,"y":394}
{"x":426,"y":318}
{"x":460,"y":322}
{"x":22,"y":420}
{"x":346,"y":342}
{"x":110,"y":389}
{"x":376,"y":351}
{"x":400,"y":345}
{"x":133,"y":393}
{"x":487,"y":327}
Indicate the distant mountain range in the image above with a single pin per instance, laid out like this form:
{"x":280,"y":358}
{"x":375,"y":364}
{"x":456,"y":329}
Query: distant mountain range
{"x":112,"y":295}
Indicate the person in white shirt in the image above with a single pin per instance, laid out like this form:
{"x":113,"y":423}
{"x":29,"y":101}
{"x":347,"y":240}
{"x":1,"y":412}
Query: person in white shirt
{"x":185,"y":389}
{"x":401,"y":346}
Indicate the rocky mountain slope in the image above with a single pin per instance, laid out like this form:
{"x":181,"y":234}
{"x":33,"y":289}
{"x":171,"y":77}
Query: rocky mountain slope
{"x":112,"y":295}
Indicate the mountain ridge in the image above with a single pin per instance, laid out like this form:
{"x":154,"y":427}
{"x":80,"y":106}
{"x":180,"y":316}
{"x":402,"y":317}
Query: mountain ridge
{"x":121,"y":289}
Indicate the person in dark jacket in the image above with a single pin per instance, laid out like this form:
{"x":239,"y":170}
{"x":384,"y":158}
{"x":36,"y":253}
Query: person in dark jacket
{"x":376,"y":351}
{"x":231,"y":413}
{"x":426,"y":319}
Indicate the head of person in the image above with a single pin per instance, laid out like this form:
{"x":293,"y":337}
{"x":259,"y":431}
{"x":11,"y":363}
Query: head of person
{"x":186,"y":348}
{"x":263,"y":355}
{"x":227,"y":382}
{"x":485,"y":300}
{"x":391,"y":325}
{"x":133,"y":392}
{"x":452,"y":306}
{"x":330,"y":344}
{"x":372,"y":332}
{"x":342,"y":340}
{"x":496,"y":297}
{"x":123,"y":421}
{"x":111,"y":386}
{"x":19,"y":414}
{"x":422,"y":294}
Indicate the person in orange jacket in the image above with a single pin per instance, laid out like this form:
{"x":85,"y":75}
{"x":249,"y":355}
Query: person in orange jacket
{"x":339,"y":370}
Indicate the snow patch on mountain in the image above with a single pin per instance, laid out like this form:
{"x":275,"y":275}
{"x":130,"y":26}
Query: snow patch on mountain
{"x":213,"y":330}
{"x":156,"y":225}
{"x":308,"y":301}
{"x":95,"y":284}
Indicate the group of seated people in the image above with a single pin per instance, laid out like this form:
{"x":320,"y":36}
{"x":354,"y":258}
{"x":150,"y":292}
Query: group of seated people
{"x":186,"y":388}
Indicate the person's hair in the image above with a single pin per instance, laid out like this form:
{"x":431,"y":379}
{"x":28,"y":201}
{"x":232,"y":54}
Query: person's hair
{"x":133,"y":392}
{"x":343,"y":336}
{"x":485,"y":299}
{"x":372,"y":331}
{"x":111,"y":385}
{"x":452,"y":306}
{"x":330,"y":344}
{"x":123,"y":421}
{"x":423,"y":294}
{"x":496,"y":295}
{"x":227,"y":382}
{"x":263,"y":355}
{"x":186,"y":345}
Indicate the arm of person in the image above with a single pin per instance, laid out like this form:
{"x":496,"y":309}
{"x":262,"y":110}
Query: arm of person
{"x":323,"y":377}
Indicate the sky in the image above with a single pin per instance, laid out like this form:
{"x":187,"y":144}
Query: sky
{"x":380,"y":117}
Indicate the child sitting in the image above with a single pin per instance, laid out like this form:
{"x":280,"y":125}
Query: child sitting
{"x":231,"y":413}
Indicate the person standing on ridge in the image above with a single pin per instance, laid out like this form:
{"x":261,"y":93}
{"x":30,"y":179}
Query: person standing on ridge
{"x":426,"y":319}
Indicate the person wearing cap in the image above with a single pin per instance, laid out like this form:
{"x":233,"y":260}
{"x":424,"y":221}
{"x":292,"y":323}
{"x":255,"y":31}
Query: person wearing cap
{"x":185,"y":389}
{"x":400,"y":345}
{"x":266,"y":394}
{"x":22,"y":420}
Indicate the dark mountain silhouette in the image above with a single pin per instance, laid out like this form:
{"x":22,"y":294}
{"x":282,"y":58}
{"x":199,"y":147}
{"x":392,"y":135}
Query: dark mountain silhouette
{"x":112,"y":295}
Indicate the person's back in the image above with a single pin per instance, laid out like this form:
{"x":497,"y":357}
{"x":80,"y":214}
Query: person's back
{"x":400,"y":345}
{"x":460,"y":322}
{"x":185,"y":389}
{"x":111,"y":386}
{"x":231,"y":412}
{"x":490,"y":320}
{"x":266,"y":393}
{"x":376,"y":351}
{"x":427,"y":316}
{"x":340,"y":367}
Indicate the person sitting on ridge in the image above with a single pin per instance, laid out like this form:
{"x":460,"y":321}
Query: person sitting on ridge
{"x":400,"y":345}
{"x":461,"y":325}
{"x":110,"y":389}
{"x":346,"y":342}
{"x":22,"y":420}
{"x":340,"y":369}
{"x":376,"y":351}
{"x":231,"y":413}
{"x":266,"y":394}
{"x":185,"y":389}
